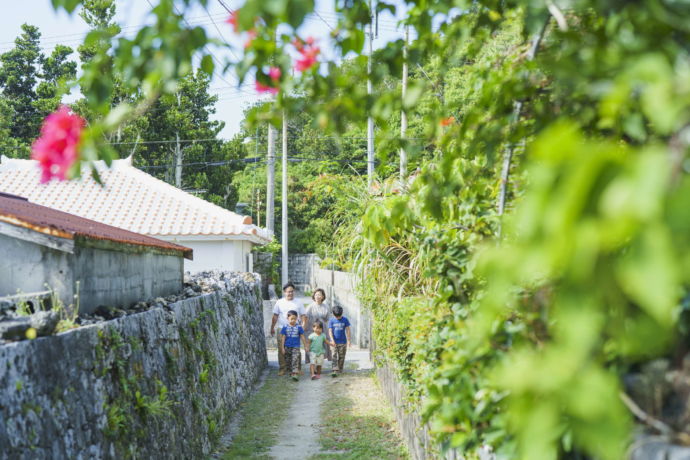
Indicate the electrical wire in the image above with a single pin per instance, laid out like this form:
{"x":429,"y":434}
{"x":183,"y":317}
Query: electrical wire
{"x":263,"y":160}
{"x":205,"y":48}
{"x":221,"y":34}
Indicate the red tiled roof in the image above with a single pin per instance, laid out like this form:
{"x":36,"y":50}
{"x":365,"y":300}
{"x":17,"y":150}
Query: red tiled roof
{"x":20,"y":212}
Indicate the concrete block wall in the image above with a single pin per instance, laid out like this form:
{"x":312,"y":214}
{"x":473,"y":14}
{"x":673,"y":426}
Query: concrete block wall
{"x":340,"y":289}
{"x":262,"y":262}
{"x":119,"y":279}
{"x":301,"y":268}
{"x":159,"y":384}
{"x":108,"y":277}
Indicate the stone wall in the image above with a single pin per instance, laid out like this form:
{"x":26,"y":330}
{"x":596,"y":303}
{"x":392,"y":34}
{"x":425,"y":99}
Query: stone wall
{"x":413,"y":431}
{"x":158,"y":384}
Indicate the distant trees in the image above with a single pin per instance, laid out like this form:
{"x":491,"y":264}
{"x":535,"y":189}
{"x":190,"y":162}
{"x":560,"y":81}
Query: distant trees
{"x":31,"y":85}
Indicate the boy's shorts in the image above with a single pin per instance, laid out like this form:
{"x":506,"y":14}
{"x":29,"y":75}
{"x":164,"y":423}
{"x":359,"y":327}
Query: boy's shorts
{"x":317,"y":360}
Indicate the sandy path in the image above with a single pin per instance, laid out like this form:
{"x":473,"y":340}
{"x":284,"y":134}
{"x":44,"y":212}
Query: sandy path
{"x":298,"y":437}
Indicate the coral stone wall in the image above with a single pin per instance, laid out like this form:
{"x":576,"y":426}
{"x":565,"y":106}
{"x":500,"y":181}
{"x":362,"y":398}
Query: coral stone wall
{"x":158,"y":384}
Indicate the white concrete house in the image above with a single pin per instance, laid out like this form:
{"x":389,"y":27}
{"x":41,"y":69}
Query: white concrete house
{"x":133,"y":200}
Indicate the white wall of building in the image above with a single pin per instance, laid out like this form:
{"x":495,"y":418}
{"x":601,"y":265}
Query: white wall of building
{"x":233,"y":255}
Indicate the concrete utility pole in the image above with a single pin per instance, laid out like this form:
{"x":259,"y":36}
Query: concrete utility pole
{"x":178,"y":153}
{"x":178,"y":161}
{"x":370,"y":120}
{"x":403,"y":114}
{"x":270,"y":184}
{"x":284,"y":214}
{"x":517,"y":112}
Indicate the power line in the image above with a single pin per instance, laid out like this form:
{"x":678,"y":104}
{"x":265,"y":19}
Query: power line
{"x":60,"y":39}
{"x":221,"y":139}
{"x":323,"y":20}
{"x":222,"y":3}
{"x":213,"y":56}
{"x":259,"y":160}
{"x":209,"y":163}
{"x":221,"y":34}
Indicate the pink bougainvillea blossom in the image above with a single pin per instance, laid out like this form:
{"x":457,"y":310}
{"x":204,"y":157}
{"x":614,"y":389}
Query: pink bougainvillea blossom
{"x":274,"y":73}
{"x":261,"y":88}
{"x":308,"y":53}
{"x":233,"y":20}
{"x":57,"y":148}
{"x":307,"y":60}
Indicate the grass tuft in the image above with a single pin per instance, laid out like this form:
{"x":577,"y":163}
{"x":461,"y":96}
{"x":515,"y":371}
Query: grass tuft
{"x":359,"y":423}
{"x":262,"y":415}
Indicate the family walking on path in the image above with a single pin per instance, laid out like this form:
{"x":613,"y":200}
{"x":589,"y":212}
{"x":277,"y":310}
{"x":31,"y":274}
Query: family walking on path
{"x":317,"y":345}
{"x":343,"y":417}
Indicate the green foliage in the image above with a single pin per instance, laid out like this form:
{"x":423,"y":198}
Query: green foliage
{"x":117,"y":421}
{"x":514,"y":329}
{"x":32,"y":86}
{"x":154,"y":406}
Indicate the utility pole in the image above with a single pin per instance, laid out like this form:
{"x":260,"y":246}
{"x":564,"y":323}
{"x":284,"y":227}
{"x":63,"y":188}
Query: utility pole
{"x":284,"y":214}
{"x":178,"y":153}
{"x":403,"y":114}
{"x":370,"y":120}
{"x":258,"y":190}
{"x":270,"y":185}
{"x":517,"y":112}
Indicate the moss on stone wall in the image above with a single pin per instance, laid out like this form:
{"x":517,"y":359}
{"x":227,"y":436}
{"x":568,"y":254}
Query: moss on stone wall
{"x":160,"y":383}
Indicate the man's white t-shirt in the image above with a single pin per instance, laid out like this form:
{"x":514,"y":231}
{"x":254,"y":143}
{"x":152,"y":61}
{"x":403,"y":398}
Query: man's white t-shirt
{"x":282,"y":307}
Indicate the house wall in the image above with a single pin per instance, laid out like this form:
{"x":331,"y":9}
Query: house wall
{"x":116,"y":278}
{"x":227,"y":255}
{"x":106,"y":277}
{"x":27,"y":267}
{"x":159,"y":384}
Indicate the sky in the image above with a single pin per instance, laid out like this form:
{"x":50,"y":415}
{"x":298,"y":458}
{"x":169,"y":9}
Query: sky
{"x":60,"y":28}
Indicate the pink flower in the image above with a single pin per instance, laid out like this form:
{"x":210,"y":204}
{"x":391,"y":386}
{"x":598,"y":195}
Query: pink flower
{"x":308,"y":58}
{"x":274,"y":73}
{"x":308,"y":53}
{"x":261,"y":88}
{"x":233,"y":20}
{"x":56,"y":150}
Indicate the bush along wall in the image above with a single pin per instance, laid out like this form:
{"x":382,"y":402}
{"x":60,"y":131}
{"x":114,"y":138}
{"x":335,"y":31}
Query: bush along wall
{"x":159,"y":384}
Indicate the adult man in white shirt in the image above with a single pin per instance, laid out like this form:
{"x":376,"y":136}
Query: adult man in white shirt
{"x":280,"y":310}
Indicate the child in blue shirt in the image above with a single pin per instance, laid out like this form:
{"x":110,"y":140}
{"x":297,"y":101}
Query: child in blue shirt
{"x":339,"y":332}
{"x":290,"y":337}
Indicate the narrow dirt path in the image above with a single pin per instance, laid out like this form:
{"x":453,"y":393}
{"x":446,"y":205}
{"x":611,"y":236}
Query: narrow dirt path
{"x":299,"y":435}
{"x":344,"y":417}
